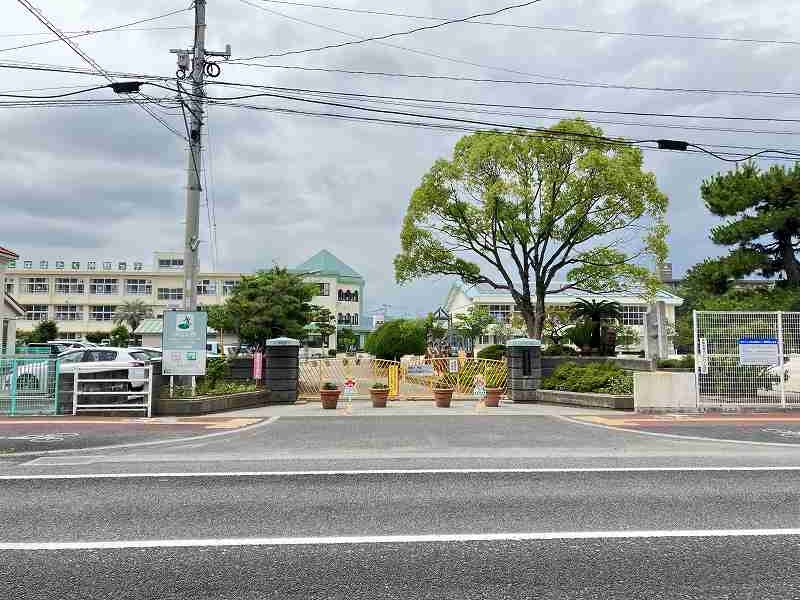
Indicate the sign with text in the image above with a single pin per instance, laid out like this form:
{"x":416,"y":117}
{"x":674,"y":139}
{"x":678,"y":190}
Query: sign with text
{"x":183,"y":342}
{"x":759,"y":351}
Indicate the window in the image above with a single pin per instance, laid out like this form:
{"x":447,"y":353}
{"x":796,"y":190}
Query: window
{"x":137,"y":266}
{"x":35,"y":312}
{"x":170,"y":293}
{"x":69,"y":285}
{"x":138,"y":287}
{"x":170,"y":263}
{"x":355,"y":319}
{"x":59,"y":264}
{"x":72,"y":357}
{"x":355,"y":296}
{"x":9,"y":285}
{"x":99,"y":356}
{"x":35,"y":285}
{"x":228,"y":286}
{"x":91,"y":265}
{"x":12,"y":264}
{"x":122,"y":266}
{"x":324,"y":289}
{"x":500,"y":312}
{"x":43,"y":264}
{"x":633,"y":314}
{"x":348,"y":296}
{"x":76,"y":265}
{"x":341,"y":296}
{"x":340,"y":318}
{"x":28,"y":264}
{"x":101,"y":313}
{"x":68,"y":312}
{"x":103,"y":287}
{"x":106,"y":265}
{"x":206,"y":287}
{"x":485,"y":339}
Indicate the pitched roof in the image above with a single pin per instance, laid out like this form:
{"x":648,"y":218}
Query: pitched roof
{"x":156,"y":326}
{"x":9,"y":253}
{"x":325,"y":263}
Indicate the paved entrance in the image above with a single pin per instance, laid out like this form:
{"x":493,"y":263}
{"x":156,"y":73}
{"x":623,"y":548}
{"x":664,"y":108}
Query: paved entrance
{"x":781,"y":428}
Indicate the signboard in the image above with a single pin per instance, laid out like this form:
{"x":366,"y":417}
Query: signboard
{"x":183,"y":342}
{"x":759,"y":351}
{"x":703,"y":348}
{"x":258,"y":363}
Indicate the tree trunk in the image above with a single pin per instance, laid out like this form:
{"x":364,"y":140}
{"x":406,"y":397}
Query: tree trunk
{"x":534,"y":317}
{"x":790,"y":264}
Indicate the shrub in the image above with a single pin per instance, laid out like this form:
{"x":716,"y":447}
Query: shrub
{"x":329,"y":385}
{"x":601,"y":378}
{"x":379,"y":386}
{"x":332,"y":353}
{"x":397,"y":338}
{"x":493,"y":352}
{"x":558,"y":350}
{"x":216,"y":369}
{"x":685,"y":362}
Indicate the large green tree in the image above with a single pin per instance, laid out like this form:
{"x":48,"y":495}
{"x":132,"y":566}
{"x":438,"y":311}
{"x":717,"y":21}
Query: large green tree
{"x":397,"y":338}
{"x":269,"y":304}
{"x":132,"y":313}
{"x":536,"y":215}
{"x":763,"y":226}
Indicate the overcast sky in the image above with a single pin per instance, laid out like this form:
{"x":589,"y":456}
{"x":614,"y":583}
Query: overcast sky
{"x":108,"y":182}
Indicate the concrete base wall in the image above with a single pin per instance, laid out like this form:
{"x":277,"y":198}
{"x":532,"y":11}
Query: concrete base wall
{"x":588,"y":400}
{"x":664,"y":392}
{"x":208,"y":404}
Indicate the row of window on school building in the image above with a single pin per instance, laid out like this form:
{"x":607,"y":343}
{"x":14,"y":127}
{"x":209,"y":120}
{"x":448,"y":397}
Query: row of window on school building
{"x":632,"y":314}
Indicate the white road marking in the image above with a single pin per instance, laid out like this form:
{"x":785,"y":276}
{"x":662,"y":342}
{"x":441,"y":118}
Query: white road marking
{"x":399,"y":539}
{"x":396,"y":472}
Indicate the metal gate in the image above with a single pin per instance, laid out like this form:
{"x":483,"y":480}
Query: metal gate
{"x":29,"y":385}
{"x":747,"y":359}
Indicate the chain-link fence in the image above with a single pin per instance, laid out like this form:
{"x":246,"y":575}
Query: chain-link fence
{"x":747,"y":359}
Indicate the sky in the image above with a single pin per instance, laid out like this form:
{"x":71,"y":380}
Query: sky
{"x":108,"y":182}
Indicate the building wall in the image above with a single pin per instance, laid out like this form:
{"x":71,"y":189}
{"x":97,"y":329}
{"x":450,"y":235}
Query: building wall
{"x":340,"y":308}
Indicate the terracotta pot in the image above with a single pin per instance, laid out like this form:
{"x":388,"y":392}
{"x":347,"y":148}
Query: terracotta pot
{"x":492,"y":398}
{"x":329,"y":398}
{"x":379,"y":397}
{"x":443,"y":396}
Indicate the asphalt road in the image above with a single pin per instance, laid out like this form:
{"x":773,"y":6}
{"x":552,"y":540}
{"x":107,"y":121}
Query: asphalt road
{"x":655,"y":518}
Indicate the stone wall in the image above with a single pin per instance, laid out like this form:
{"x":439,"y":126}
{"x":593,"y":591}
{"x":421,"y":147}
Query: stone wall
{"x":209,"y":404}
{"x":588,"y":400}
{"x":664,"y":392}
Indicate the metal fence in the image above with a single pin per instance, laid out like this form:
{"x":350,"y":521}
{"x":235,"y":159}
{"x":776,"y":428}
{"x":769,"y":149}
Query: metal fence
{"x":747,"y":359}
{"x":100,"y":391}
{"x":408,"y":379}
{"x":29,"y":385}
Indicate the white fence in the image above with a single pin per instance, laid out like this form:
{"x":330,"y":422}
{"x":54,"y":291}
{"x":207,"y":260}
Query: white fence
{"x":747,"y":359}
{"x":131,"y":394}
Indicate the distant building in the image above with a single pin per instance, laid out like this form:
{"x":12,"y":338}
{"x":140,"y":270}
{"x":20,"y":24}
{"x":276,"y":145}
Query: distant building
{"x":501,"y":306}
{"x":670,"y":282}
{"x":10,"y":310}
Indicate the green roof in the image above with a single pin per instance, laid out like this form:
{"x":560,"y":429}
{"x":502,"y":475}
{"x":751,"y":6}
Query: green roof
{"x":325,"y":263}
{"x":155,"y":327}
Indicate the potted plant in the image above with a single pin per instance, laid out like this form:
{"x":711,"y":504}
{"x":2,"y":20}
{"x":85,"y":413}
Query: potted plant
{"x":443,"y":393}
{"x":329,"y":394}
{"x":494,"y":389}
{"x":379,"y":392}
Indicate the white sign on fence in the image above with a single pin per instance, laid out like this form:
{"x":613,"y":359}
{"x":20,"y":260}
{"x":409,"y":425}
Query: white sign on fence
{"x":703,"y":349}
{"x":759,"y":351}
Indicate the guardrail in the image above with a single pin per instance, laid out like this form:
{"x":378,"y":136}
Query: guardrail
{"x":142,"y":398}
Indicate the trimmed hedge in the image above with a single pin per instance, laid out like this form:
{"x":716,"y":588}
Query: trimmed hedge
{"x":685,"y":362}
{"x":600,"y":378}
{"x":493,"y":352}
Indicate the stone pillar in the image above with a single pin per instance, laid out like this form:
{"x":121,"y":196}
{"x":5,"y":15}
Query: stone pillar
{"x":524,"y":357}
{"x":282,"y":369}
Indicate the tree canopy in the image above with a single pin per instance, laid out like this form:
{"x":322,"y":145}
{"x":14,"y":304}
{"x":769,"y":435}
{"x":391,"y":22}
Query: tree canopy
{"x":132,"y":313}
{"x":474,"y":322}
{"x":396,"y":338}
{"x":763,"y":211}
{"x":269,"y":304}
{"x":518,"y":212}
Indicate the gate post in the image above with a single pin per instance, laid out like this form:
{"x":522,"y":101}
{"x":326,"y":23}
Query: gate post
{"x":780,"y":361}
{"x":524,"y":369}
{"x":13,"y":386}
{"x":282,"y":369}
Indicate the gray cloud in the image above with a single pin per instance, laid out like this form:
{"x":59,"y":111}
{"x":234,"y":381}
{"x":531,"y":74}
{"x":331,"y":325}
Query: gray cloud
{"x":110,"y":181}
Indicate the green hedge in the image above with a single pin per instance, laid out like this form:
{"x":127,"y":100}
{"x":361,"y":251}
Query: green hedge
{"x":493,"y":352}
{"x":685,"y":362}
{"x":556,"y":350}
{"x":600,"y":378}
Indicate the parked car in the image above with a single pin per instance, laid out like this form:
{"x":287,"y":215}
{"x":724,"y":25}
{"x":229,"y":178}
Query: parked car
{"x":149,"y":351}
{"x":33,"y":375}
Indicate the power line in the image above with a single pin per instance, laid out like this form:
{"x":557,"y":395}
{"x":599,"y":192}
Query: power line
{"x":681,"y":36}
{"x":517,"y":106}
{"x":49,"y":68}
{"x":86,"y":58}
{"x":597,"y":85}
{"x":399,"y":33}
{"x":71,"y":33}
{"x":417,"y":51}
{"x":94,"y":31}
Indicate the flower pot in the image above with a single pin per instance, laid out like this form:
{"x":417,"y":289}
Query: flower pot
{"x":443,"y":396}
{"x":329,"y":398}
{"x":379,"y":397}
{"x":492,"y":398}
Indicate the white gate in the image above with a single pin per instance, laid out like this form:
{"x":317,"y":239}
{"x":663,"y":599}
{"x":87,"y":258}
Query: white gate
{"x":747,"y":359}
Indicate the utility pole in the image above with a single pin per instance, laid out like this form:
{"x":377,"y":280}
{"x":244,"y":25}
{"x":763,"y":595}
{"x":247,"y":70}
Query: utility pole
{"x":199,"y":68}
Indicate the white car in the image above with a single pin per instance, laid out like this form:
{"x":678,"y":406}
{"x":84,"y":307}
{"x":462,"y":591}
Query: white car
{"x":33,"y":376}
{"x":150,"y":352}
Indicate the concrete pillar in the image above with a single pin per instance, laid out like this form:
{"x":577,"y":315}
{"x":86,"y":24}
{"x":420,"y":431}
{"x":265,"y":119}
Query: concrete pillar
{"x":524,"y":357}
{"x":282,"y":369}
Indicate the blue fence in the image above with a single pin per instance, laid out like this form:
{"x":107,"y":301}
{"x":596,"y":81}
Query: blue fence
{"x":29,"y":385}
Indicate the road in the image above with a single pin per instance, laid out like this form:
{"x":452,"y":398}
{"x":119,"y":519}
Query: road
{"x":406,"y":506}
